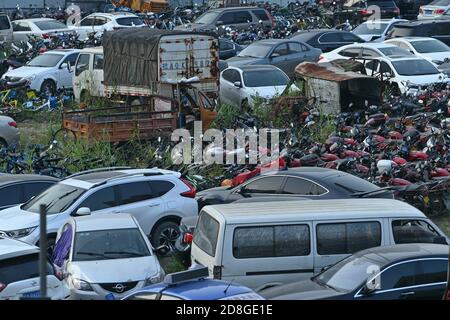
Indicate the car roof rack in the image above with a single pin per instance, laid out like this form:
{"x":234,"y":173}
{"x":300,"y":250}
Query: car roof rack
{"x":128,"y":175}
{"x":182,"y":276}
{"x":97,"y":170}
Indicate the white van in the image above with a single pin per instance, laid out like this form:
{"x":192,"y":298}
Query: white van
{"x":6,"y":29}
{"x":88,"y":76}
{"x":260,"y":245}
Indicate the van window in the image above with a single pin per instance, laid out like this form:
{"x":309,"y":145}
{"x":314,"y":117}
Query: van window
{"x":98,"y":61}
{"x":4,"y":23}
{"x":269,"y":185}
{"x":134,"y":192}
{"x":261,"y":15}
{"x":206,"y":234}
{"x":271,"y":241}
{"x":347,"y":238}
{"x":243,"y":17}
{"x":413,"y":231}
{"x":102,"y":199}
{"x":82,"y":63}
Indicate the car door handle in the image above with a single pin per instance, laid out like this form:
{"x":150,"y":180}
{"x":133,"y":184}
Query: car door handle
{"x":407,"y":294}
{"x":153,"y":205}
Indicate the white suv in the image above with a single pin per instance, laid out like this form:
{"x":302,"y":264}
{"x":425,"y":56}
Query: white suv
{"x":158,"y":199}
{"x":19,"y":272}
{"x":89,"y":249}
{"x":101,"y":22}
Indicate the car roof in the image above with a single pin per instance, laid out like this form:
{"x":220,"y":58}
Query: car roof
{"x":271,"y":41}
{"x":256,"y":67}
{"x":415,"y":39}
{"x":11,"y":178}
{"x":403,"y":58}
{"x":385,"y":20}
{"x":234,"y":8}
{"x":200,"y":289}
{"x":290,"y":211}
{"x":35,"y":19}
{"x":386,"y":255}
{"x":104,"y":222}
{"x":10,"y":248}
{"x":62,"y":51}
{"x":113,"y":14}
{"x":92,"y":49}
{"x":415,"y":23}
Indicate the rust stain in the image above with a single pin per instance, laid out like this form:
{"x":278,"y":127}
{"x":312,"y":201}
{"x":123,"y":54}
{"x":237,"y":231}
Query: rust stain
{"x":326,"y":71}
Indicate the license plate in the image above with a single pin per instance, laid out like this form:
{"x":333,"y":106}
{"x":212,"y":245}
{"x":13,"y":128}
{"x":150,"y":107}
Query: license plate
{"x":110,"y":297}
{"x":32,"y":294}
{"x":428,"y":11}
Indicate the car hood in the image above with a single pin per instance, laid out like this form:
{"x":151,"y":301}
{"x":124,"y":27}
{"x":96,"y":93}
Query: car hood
{"x":26,"y":71}
{"x":266,"y":92}
{"x":105,"y":271}
{"x":440,"y":56}
{"x":15,"y":218}
{"x":303,"y":290}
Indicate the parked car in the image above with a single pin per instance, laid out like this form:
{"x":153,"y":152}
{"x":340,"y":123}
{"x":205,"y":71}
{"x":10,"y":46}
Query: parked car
{"x":19,"y":188}
{"x":364,"y":50}
{"x":19,"y":270}
{"x":260,"y":245}
{"x":90,"y":248}
{"x":447,"y":288}
{"x":240,"y":18}
{"x":306,"y":182}
{"x":434,"y":9}
{"x":6,"y":30}
{"x":285,"y":54}
{"x":37,"y":27}
{"x":438,"y":29}
{"x":410,"y":9}
{"x":387,"y":8}
{"x":326,"y":39}
{"x":158,"y":199}
{"x":194,"y":284}
{"x":9,"y":134}
{"x":47,"y":72}
{"x":242,"y":86}
{"x":408,"y":74}
{"x":398,"y":272}
{"x":101,"y":22}
{"x":428,"y":48}
{"x":228,"y":48}
{"x":376,"y":30}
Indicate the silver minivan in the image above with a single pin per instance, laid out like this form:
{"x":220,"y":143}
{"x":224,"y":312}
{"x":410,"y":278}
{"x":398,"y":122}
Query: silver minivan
{"x":6,"y":30}
{"x":264,"y":244}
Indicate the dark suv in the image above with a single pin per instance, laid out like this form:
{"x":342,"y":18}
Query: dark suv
{"x":240,"y":18}
{"x":438,"y":29}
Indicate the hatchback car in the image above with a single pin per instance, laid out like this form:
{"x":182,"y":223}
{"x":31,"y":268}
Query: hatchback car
{"x":194,"y":284}
{"x":377,"y":29}
{"x":158,"y":199}
{"x":242,"y":86}
{"x":90,"y":248}
{"x":435,"y":28}
{"x":285,"y":54}
{"x":37,"y":27}
{"x":398,"y":272}
{"x":308,"y":182}
{"x":326,"y":39}
{"x":428,"y":48}
{"x":434,"y":9}
{"x":16,"y":189}
{"x":19,"y":272}
{"x":47,"y":72}
{"x":9,"y":134}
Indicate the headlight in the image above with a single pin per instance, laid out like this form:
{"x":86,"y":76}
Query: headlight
{"x":154,"y":279}
{"x":81,"y":285}
{"x":20,"y":233}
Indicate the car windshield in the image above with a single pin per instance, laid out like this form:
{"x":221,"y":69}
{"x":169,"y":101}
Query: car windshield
{"x":259,"y":50}
{"x":207,"y":18}
{"x":109,"y":244}
{"x":47,"y":60}
{"x":130,"y":21}
{"x":57,"y":199}
{"x":429,"y":46}
{"x":50,"y":25}
{"x":347,"y":275}
{"x":370,"y":28}
{"x":395,"y":51}
{"x":270,"y":78}
{"x":414,"y":67}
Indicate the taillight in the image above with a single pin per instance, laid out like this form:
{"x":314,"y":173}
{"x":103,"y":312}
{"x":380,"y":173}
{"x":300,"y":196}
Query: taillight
{"x":217,"y":272}
{"x":321,"y":57}
{"x":12,"y":124}
{"x":45,"y":36}
{"x":190,"y":193}
{"x":439,"y":11}
{"x":365,"y":12}
{"x":59,"y":274}
{"x":187,"y":238}
{"x":2,"y":286}
{"x":420,"y":10}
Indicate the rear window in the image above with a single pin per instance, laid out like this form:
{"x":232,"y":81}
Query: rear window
{"x":206,"y":233}
{"x":413,"y":231}
{"x":50,"y":25}
{"x":21,"y":268}
{"x":351,"y":184}
{"x":414,"y":67}
{"x":4,"y":23}
{"x":261,"y":15}
{"x":130,"y":21}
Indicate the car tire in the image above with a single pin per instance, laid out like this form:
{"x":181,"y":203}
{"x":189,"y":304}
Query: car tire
{"x":48,"y":86}
{"x":165,"y":233}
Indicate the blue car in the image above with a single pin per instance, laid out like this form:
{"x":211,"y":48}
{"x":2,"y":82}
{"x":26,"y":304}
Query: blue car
{"x":194,"y":285}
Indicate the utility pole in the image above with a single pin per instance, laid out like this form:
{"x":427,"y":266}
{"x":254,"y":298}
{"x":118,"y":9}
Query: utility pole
{"x":43,"y":251}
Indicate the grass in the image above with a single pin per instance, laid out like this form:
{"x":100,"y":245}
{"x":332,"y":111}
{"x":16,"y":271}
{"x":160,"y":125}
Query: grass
{"x":171,"y":264}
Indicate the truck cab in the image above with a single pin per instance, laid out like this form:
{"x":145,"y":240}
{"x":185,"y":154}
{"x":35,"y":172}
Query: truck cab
{"x":88,"y":77}
{"x":6,"y":30}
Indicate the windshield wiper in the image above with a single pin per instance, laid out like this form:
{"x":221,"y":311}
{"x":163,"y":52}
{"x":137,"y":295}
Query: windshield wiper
{"x":131,"y":253}
{"x":91,"y":254}
{"x":52,"y":203}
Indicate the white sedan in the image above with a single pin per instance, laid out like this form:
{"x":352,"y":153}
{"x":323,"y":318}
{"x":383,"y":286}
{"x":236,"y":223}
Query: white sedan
{"x":37,"y":27}
{"x":47,"y":72}
{"x":428,"y":48}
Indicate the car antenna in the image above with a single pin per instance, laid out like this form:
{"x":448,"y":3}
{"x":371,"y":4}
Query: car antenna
{"x":228,"y":286}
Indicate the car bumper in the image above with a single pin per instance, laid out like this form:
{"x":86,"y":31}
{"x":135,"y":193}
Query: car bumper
{"x":100,"y":294}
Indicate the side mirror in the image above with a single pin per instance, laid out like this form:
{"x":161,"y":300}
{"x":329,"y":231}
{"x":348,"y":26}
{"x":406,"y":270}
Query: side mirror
{"x":83,"y":211}
{"x":65,"y":65}
{"x":274,"y":55}
{"x":162,"y":250}
{"x":238,"y":84}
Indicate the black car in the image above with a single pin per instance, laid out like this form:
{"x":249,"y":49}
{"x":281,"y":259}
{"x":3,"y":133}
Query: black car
{"x":19,"y":188}
{"x":438,"y":29}
{"x":228,"y":49}
{"x":306,"y":182}
{"x":326,"y":39}
{"x":404,"y":271}
{"x":410,"y":9}
{"x":388,"y":8}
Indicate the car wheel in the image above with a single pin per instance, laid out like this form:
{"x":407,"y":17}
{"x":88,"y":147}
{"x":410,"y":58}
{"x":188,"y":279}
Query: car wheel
{"x":166,"y":233}
{"x":49,"y":87}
